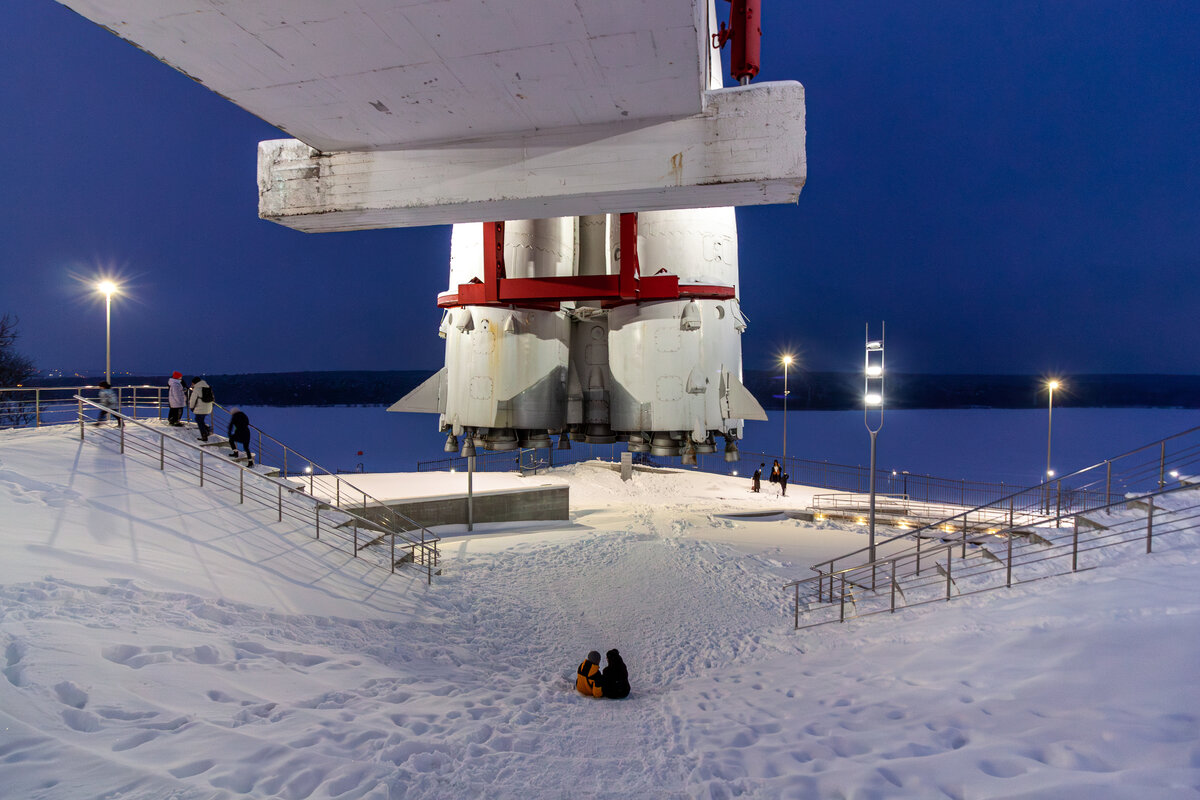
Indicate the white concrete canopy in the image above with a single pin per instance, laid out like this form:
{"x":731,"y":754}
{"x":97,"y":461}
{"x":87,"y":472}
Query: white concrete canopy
{"x":444,"y":80}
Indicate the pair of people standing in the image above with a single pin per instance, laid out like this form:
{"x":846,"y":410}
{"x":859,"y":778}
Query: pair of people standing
{"x":613,"y":682}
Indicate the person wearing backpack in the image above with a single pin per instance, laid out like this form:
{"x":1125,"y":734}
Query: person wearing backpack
{"x":201,"y":404}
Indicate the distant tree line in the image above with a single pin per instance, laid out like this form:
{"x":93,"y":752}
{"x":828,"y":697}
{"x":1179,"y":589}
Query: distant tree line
{"x":817,"y":391}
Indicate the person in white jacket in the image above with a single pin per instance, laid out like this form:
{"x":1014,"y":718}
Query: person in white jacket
{"x":176,"y":399}
{"x":202,"y":405}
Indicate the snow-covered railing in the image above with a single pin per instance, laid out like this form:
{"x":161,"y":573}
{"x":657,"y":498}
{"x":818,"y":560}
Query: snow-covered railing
{"x":356,"y":528}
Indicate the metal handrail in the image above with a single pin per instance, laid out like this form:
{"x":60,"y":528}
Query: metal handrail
{"x":285,"y":490}
{"x":341,"y":491}
{"x":22,"y":406}
{"x":1048,"y":497}
{"x":897,"y":568}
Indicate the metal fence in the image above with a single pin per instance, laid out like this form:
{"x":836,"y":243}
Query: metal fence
{"x":1032,"y":517}
{"x":24,"y":407}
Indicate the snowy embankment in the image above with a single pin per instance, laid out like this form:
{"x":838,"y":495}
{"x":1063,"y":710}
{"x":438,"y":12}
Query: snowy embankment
{"x":160,"y":641}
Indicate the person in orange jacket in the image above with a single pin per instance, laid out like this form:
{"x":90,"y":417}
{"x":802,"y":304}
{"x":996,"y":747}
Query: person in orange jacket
{"x":587,"y":678}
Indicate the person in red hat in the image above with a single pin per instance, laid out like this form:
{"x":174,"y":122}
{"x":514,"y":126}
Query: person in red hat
{"x":176,"y":399}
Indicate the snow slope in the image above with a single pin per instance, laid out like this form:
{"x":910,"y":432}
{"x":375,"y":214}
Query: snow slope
{"x":159,"y":641}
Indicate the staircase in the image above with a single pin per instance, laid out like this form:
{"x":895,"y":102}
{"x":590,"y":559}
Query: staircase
{"x":1103,"y":515}
{"x":281,"y":481}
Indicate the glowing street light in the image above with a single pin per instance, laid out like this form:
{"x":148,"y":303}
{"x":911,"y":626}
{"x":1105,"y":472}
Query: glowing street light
{"x":873,"y":404}
{"x":108,"y":289}
{"x":787,"y":362}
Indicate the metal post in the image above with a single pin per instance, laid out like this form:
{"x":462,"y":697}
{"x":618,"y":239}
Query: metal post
{"x":1162,"y":464}
{"x":241,"y":486}
{"x":135,"y":402}
{"x":1075,"y":546}
{"x":1058,"y":503}
{"x":893,"y":576}
{"x":393,"y":552}
{"x":338,"y":489}
{"x":280,"y":503}
{"x":162,"y":444}
{"x":121,"y":430}
{"x":80,"y":404}
{"x":842,"y":618}
{"x":1108,"y":486}
{"x":796,"y":607}
{"x":949,"y":563}
{"x":874,"y":434}
{"x":1008,"y":571}
{"x":201,"y":467}
{"x":1150,"y":527}
{"x":284,"y":475}
{"x":356,"y":538}
{"x":108,"y":337}
{"x":964,"y":537}
{"x":470,"y":493}
{"x":317,"y":510}
{"x":37,"y":407}
{"x":918,"y":555}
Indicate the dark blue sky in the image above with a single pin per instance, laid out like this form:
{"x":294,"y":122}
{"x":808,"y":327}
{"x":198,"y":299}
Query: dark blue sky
{"x":1012,"y":186}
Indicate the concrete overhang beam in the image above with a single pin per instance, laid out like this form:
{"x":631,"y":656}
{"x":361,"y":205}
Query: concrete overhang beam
{"x":746,"y":148}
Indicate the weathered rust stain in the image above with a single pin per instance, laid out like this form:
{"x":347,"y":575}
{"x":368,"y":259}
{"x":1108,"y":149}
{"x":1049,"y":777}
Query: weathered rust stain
{"x":677,"y":168}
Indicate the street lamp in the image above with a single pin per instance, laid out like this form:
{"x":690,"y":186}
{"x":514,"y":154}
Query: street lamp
{"x":873,"y":402}
{"x":1051,"y":386}
{"x":787,"y":362}
{"x":107,"y":288}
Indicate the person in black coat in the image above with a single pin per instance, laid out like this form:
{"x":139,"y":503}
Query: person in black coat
{"x":757,"y":478}
{"x":239,"y":433}
{"x":615,"y":678}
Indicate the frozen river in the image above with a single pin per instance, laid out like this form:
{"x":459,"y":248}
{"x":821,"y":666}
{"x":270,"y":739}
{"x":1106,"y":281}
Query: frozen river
{"x":979,"y":444}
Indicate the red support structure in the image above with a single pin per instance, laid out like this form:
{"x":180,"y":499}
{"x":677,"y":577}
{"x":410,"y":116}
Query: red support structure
{"x":493,"y":260}
{"x":629,"y":258}
{"x":746,"y":32}
{"x":547,"y":293}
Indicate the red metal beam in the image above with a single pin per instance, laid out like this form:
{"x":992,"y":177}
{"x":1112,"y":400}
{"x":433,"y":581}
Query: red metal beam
{"x":630,"y":267}
{"x":493,"y":261}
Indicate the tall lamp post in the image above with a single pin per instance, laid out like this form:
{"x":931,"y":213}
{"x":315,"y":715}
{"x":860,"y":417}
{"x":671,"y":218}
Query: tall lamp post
{"x":107,"y":288}
{"x":787,"y":362}
{"x":873,"y":414}
{"x":1051,"y":386}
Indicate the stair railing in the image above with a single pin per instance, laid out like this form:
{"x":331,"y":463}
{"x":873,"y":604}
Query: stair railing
{"x":1096,"y":486}
{"x":1142,"y":473}
{"x":941,"y":572}
{"x":343,"y":527}
{"x":333,"y":488}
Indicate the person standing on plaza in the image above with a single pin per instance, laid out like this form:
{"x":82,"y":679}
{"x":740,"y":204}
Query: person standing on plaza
{"x":176,"y":400}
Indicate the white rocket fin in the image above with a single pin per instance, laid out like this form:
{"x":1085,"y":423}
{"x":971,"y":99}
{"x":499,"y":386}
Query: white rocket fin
{"x":428,"y":398}
{"x":737,"y":402}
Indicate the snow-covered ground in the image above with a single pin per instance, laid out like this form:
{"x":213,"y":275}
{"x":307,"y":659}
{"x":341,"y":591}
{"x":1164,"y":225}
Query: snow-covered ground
{"x":161,"y":641}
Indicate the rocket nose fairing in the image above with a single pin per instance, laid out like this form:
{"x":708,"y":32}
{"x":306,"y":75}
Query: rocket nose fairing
{"x":549,"y":330}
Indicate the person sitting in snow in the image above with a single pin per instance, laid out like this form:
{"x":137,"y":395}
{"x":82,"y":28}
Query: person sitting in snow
{"x":587,"y":677}
{"x":615,"y":679}
{"x":757,"y":478}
